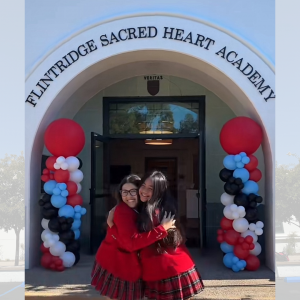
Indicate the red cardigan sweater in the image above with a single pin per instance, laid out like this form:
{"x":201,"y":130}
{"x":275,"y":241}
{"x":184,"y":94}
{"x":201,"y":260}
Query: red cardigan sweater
{"x":118,"y":252}
{"x":156,"y":266}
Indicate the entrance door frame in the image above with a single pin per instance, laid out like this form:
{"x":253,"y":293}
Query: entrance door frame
{"x":200,"y":135}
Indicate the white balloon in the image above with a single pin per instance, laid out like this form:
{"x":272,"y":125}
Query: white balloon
{"x":251,"y":233}
{"x":240,"y":225}
{"x":242,"y":215}
{"x":235,"y":215}
{"x":252,"y":227}
{"x":259,"y":231}
{"x":51,"y":242}
{"x":56,"y":166}
{"x":64,"y":166}
{"x":73,"y":163}
{"x":48,"y":236}
{"x":45,"y":223}
{"x":227,"y":212}
{"x":227,"y":199}
{"x":241,"y":209}
{"x":233,"y":207}
{"x":46,"y":244}
{"x":79,"y":187}
{"x":60,"y":160}
{"x":68,"y":259}
{"x":46,"y":231}
{"x":259,"y":224}
{"x":257,"y":249}
{"x":58,"y":249}
{"x":55,"y":237}
{"x":76,"y":176}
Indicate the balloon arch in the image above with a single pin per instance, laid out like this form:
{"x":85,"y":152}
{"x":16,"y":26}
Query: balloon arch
{"x":240,"y":227}
{"x":61,"y":203}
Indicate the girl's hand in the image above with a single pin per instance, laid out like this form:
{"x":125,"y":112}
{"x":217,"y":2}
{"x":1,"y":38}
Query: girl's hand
{"x":168,"y":221}
{"x":110,"y":217}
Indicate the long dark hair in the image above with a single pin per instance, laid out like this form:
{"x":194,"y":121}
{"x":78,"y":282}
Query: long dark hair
{"x":164,"y":202}
{"x":132,"y":178}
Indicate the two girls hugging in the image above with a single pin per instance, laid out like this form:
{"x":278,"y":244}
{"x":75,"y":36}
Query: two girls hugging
{"x":144,"y":252}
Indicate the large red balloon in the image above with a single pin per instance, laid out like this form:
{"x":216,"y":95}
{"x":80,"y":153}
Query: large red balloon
{"x":240,"y":252}
{"x":252,"y":164}
{"x":241,"y":134}
{"x":62,"y":176}
{"x":226,"y":224}
{"x":74,"y":200}
{"x":255,"y":175}
{"x":50,"y":163}
{"x":231,"y":237}
{"x":72,"y":188}
{"x":253,"y":263}
{"x":64,"y":137}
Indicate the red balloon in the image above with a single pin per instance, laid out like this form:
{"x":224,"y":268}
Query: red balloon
{"x":251,"y":246}
{"x":240,"y":252}
{"x":64,"y":137}
{"x":45,"y":178}
{"x":74,"y":200}
{"x":226,"y":224}
{"x":220,"y":231}
{"x":253,"y":263}
{"x":241,"y":240}
{"x":249,"y":239}
{"x":255,"y":175}
{"x":245,"y":246}
{"x":231,"y":237}
{"x":51,"y":176}
{"x":241,"y":134}
{"x":72,"y":188}
{"x":46,"y":260}
{"x":62,"y":176}
{"x":252,"y":164}
{"x":50,"y":163}
{"x":60,"y":268}
{"x":46,"y":171}
{"x":44,"y":249}
{"x":220,"y":238}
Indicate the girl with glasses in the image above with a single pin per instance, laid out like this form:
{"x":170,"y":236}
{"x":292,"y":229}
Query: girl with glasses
{"x":117,"y":270}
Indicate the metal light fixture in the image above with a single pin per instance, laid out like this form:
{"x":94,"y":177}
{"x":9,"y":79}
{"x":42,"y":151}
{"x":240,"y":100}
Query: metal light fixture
{"x":158,"y":142}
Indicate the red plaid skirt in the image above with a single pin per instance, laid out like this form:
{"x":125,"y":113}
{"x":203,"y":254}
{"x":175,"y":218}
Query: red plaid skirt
{"x":180,"y":287}
{"x":115,"y":288}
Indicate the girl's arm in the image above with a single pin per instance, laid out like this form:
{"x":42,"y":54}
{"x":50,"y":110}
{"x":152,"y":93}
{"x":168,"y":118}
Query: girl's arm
{"x":125,"y":231}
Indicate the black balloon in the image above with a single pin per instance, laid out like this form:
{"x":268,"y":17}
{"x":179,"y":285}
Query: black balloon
{"x":45,"y":199}
{"x":241,"y":199}
{"x":233,"y":186}
{"x":225,"y":174}
{"x":73,"y":246}
{"x":67,"y":235}
{"x":80,"y":163}
{"x":253,"y":204}
{"x":251,"y":214}
{"x":60,"y":224}
{"x":50,"y":213}
{"x":77,"y":258}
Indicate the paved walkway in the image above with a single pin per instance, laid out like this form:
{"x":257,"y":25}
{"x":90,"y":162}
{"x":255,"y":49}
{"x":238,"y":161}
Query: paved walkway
{"x":220,"y":282}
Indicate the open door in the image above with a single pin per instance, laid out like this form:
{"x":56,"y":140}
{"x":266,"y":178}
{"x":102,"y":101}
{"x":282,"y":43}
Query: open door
{"x":202,"y":191}
{"x":99,"y":191}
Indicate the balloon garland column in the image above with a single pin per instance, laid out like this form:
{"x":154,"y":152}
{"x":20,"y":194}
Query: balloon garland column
{"x":61,"y":204}
{"x":240,"y":226}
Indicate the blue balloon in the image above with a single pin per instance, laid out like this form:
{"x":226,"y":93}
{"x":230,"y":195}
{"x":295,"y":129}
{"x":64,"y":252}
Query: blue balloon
{"x":244,"y":263}
{"x":62,"y":186}
{"x":243,"y":154}
{"x":77,"y":216}
{"x":235,"y":268}
{"x":76,"y":224}
{"x":66,"y":211}
{"x":64,"y":193}
{"x":77,"y":234}
{"x":58,"y":201}
{"x":242,"y":173}
{"x":237,"y":158}
{"x":229,"y":162}
{"x":235,"y":260}
{"x":77,"y":208}
{"x":227,"y":259}
{"x":240,"y":265}
{"x":245,"y":160}
{"x":83,"y":211}
{"x":226,"y":248}
{"x":49,"y":186}
{"x":56,"y":191}
{"x":250,"y":187}
{"x":239,"y":165}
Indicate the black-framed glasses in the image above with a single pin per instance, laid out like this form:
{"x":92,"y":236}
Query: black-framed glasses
{"x":132,"y":192}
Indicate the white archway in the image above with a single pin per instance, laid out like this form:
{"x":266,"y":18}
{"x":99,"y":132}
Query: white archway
{"x":120,"y":60}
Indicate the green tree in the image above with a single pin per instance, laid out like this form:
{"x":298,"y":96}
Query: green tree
{"x":290,"y":248}
{"x":188,"y":125}
{"x":12,"y":190}
{"x":287,"y":192}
